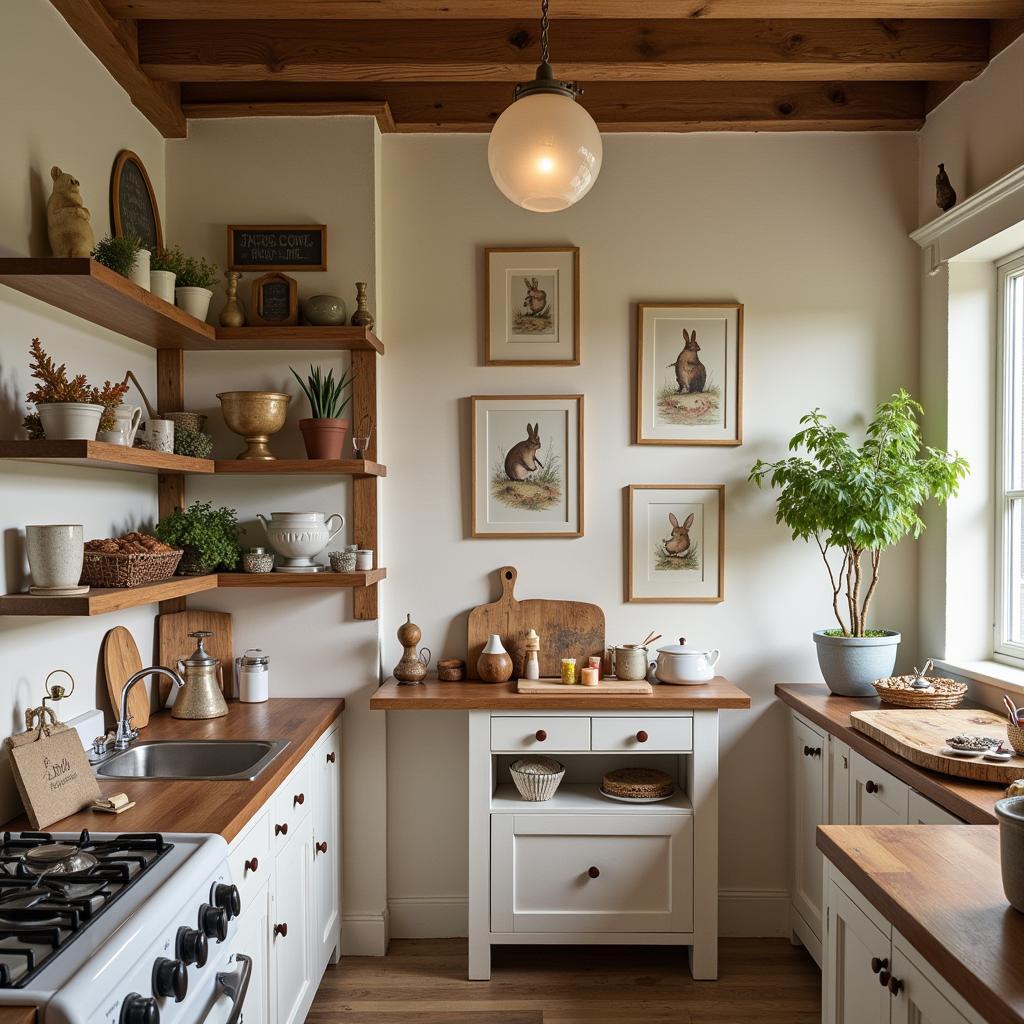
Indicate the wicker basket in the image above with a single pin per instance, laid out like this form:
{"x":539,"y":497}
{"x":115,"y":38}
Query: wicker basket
{"x":537,"y":778}
{"x":945,"y":693}
{"x":101,"y":569}
{"x":1015,"y":734}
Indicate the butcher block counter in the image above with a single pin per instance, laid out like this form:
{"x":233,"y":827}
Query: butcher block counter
{"x":940,"y":887}
{"x":194,"y":805}
{"x":973,"y":802}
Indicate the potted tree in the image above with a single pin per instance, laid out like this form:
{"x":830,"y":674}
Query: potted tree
{"x":196,"y":278}
{"x":854,"y":503}
{"x":324,"y":434}
{"x":208,"y":537}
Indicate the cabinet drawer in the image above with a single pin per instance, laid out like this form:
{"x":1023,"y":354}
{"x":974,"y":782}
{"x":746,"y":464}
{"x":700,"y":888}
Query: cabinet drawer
{"x":876,"y":797}
{"x":592,"y":872}
{"x":250,"y":858}
{"x":540,"y":733}
{"x":292,"y":801}
{"x":641,"y":734}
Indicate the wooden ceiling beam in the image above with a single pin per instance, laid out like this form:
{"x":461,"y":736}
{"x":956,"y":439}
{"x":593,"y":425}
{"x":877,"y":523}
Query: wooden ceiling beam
{"x":114,"y":45}
{"x":453,"y":10}
{"x":616,"y":106}
{"x":508,"y":51}
{"x":378,"y":109}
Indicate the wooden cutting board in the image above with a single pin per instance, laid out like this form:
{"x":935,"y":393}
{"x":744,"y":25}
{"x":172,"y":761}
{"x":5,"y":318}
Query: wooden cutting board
{"x":918,"y":736}
{"x":121,"y":660}
{"x":173,"y":642}
{"x":579,"y":690}
{"x":567,"y":629}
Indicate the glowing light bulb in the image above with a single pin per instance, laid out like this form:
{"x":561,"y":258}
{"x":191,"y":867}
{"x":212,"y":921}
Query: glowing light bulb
{"x":545,"y":164}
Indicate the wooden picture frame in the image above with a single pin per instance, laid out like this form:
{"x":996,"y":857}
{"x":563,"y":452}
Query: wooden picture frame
{"x":265,"y":305}
{"x":283,"y":263}
{"x":510,"y":433}
{"x":523,"y":325}
{"x":129,"y":215}
{"x":651,"y":567}
{"x":711,"y":413}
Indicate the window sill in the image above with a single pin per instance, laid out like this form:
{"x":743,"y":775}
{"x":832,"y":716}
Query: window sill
{"x":991,"y":673}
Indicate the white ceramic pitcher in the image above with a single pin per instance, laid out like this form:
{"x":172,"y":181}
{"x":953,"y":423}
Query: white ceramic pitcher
{"x":298,"y":537}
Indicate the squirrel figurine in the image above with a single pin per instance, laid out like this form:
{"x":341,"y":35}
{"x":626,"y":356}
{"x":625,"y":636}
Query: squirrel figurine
{"x":67,"y":219}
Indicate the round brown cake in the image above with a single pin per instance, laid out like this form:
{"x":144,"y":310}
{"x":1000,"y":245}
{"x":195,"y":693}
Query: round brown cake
{"x":638,"y":784}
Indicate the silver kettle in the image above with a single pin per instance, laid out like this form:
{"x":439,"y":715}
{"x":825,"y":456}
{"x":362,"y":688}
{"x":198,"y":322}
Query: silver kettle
{"x":201,"y":697}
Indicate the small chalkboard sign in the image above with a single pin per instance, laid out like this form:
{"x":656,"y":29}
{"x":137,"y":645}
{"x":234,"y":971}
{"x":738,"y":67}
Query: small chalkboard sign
{"x":133,"y":209}
{"x":277,"y":247}
{"x":275,"y":301}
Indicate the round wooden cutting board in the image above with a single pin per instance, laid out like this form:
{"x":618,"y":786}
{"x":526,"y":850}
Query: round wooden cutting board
{"x":121,"y":660}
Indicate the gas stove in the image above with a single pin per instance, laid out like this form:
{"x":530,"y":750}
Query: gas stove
{"x":120,"y":929}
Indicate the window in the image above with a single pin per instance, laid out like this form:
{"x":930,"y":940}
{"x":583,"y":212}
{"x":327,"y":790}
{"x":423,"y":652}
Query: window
{"x":1009,"y":634}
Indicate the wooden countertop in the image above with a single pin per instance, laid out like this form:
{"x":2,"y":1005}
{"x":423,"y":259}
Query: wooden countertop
{"x":971,"y":801}
{"x":168,"y":805}
{"x":472,"y":696}
{"x":915,"y":875}
{"x":18,"y":1014}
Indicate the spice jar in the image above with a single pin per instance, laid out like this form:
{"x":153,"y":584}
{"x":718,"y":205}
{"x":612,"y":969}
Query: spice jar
{"x":257,"y":560}
{"x":569,"y":671}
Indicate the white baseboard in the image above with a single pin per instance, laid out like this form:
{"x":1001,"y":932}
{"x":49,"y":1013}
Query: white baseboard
{"x":742,"y":913}
{"x":753,"y":913}
{"x":365,"y":934}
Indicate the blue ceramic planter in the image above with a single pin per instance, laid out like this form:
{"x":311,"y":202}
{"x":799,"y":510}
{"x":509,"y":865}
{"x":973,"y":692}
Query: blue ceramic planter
{"x":850,"y":664}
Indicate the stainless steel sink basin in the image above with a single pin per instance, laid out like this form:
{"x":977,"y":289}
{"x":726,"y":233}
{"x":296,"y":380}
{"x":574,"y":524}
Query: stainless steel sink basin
{"x":210,"y":760}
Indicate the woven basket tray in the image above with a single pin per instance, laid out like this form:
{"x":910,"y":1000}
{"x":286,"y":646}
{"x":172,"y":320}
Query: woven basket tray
{"x":947,"y":693}
{"x":128,"y":570}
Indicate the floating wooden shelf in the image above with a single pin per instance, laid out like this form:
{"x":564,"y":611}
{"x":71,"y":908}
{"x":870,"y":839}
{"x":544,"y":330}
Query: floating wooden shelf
{"x":292,"y":467}
{"x":312,"y":580}
{"x":103,"y":456}
{"x":99,"y":600}
{"x":97,"y":294}
{"x":353,"y":339}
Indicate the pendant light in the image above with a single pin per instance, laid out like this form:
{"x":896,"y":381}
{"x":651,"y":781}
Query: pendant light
{"x":545,"y":150}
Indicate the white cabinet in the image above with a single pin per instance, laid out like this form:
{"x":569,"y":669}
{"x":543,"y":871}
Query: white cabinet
{"x":808,"y":762}
{"x":327,"y":849}
{"x":291,"y":944}
{"x":923,"y":812}
{"x":839,"y":782}
{"x":253,"y":939}
{"x":918,"y":998}
{"x":876,"y":797}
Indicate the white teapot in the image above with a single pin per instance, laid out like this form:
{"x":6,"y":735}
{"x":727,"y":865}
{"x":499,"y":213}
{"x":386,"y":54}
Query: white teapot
{"x":298,"y":537}
{"x":684,"y":666}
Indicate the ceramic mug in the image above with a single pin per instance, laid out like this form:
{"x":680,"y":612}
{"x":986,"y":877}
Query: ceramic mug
{"x":159,"y":436}
{"x":55,"y":556}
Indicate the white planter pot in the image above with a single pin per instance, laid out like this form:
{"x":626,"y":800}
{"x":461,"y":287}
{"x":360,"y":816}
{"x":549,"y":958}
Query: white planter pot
{"x":140,"y":272}
{"x":161,"y":284}
{"x":850,"y":664}
{"x":55,"y":555}
{"x":195,"y":301}
{"x":70,"y":421}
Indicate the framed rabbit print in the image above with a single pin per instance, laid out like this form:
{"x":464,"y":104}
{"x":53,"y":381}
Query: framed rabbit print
{"x":676,"y":543}
{"x":689,"y":382}
{"x":527,"y":469}
{"x":532,"y":306}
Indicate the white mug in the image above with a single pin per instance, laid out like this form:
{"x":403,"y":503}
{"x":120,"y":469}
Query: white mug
{"x":159,"y":436}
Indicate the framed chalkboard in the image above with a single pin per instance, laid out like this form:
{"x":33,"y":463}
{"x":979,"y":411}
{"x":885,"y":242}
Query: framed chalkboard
{"x":277,"y":247}
{"x":133,"y":209}
{"x":274,"y":301}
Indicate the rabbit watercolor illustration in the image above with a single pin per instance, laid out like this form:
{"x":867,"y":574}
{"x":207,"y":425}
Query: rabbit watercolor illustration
{"x":522,"y":457}
{"x":678,"y":545}
{"x":691,"y":374}
{"x":536,"y":300}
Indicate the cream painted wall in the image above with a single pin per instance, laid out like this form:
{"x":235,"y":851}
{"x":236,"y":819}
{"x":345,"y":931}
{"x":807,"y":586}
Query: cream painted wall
{"x":279,"y":171}
{"x":810,"y":232}
{"x":61,"y":108}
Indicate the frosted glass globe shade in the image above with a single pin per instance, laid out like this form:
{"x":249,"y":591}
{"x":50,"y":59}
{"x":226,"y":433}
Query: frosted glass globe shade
{"x":544,"y":152}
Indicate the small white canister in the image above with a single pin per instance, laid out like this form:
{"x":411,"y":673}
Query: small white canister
{"x":252,"y":672}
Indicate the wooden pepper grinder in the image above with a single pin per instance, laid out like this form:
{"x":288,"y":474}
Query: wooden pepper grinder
{"x":413,"y":666}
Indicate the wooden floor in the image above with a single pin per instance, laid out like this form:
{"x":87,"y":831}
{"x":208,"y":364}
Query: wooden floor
{"x":423,"y":981}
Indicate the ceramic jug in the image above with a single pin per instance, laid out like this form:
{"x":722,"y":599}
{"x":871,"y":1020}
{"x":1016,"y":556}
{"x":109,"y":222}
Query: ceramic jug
{"x":298,"y":537}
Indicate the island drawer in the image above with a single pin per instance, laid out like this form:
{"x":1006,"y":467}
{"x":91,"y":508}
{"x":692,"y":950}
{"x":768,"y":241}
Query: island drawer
{"x":250,"y":857}
{"x":642,"y":734}
{"x":540,"y":733}
{"x":292,"y":801}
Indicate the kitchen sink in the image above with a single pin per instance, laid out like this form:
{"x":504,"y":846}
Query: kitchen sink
{"x":209,"y":760}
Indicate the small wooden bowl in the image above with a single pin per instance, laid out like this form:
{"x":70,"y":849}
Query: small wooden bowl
{"x":451,"y":670}
{"x":1015,"y":734}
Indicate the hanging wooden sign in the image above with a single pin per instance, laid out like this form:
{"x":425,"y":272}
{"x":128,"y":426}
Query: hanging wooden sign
{"x":277,"y":247}
{"x":275,"y":301}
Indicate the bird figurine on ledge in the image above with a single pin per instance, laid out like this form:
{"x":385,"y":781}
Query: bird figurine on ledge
{"x":945,"y":194}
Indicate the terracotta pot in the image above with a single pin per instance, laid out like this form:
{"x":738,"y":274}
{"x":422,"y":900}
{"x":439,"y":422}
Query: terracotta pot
{"x":324,"y":439}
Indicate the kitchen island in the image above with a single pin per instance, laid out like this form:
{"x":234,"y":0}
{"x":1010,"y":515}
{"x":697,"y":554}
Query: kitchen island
{"x":582,"y":868}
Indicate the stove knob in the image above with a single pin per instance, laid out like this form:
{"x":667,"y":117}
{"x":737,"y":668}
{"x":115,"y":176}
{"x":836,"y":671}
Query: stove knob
{"x":170,"y":978}
{"x":226,"y":897}
{"x":192,"y":947}
{"x":214,"y":922}
{"x":138,"y":1009}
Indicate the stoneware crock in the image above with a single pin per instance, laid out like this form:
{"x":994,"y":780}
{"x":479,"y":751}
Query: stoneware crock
{"x":55,"y":556}
{"x":684,"y":666}
{"x":1010,"y":813}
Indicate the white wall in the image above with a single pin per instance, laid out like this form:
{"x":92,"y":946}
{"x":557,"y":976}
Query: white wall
{"x":61,"y":107}
{"x":280,"y":171}
{"x":810,"y":232}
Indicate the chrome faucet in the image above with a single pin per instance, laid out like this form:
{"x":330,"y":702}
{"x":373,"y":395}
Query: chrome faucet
{"x":125,"y":734}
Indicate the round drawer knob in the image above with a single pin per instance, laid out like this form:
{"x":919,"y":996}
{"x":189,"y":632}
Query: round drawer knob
{"x":252,"y":865}
{"x":321,"y":847}
{"x":884,"y":978}
{"x":895,"y":986}
{"x":540,"y":735}
{"x":593,"y":872}
{"x":642,"y":737}
{"x":281,"y":830}
{"x":331,"y":757}
{"x":872,"y":787}
{"x":878,"y":964}
{"x":282,"y":930}
{"x":298,"y":799}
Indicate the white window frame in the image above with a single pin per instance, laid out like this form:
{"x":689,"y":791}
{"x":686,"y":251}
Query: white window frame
{"x":1009,"y":404}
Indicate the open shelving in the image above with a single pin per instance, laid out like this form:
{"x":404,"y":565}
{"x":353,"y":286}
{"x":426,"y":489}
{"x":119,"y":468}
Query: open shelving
{"x":97,"y":294}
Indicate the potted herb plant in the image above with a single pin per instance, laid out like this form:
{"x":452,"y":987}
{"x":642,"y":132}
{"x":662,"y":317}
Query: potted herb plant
{"x":208,"y":537}
{"x":196,"y":278}
{"x":855,"y":503}
{"x":119,"y":254}
{"x":68,"y":408}
{"x":164,"y":266}
{"x":324,"y":434}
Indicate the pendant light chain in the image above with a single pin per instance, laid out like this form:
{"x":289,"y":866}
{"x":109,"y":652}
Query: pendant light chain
{"x":545,"y":25}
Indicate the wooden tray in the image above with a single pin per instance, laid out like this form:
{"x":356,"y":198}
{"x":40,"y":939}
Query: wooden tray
{"x":567,"y":629}
{"x":555,"y":685}
{"x":919,"y":735}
